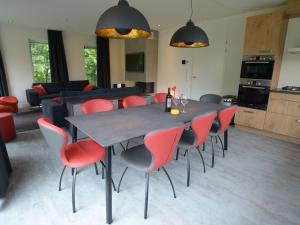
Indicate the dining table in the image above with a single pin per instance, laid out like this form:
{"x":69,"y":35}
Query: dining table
{"x":113,"y":127}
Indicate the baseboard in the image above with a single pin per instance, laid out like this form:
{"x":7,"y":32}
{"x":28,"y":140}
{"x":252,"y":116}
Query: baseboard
{"x":269,"y":134}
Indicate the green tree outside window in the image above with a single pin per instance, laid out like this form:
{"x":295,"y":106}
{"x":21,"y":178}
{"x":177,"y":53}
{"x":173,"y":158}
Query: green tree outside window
{"x":40,"y":62}
{"x":90,"y":58}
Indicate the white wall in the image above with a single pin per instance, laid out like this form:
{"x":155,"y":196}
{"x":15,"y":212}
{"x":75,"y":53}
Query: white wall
{"x":290,"y":70}
{"x":17,"y":59}
{"x":217,"y":69}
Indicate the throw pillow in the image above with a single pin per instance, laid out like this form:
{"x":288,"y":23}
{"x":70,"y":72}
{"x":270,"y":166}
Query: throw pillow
{"x":40,"y":90}
{"x":89,"y":87}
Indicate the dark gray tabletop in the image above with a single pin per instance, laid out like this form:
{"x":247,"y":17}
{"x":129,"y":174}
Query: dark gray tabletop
{"x":113,"y":127}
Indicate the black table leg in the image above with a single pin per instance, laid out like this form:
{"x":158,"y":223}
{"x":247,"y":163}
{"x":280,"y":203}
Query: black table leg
{"x":226,"y":140}
{"x":74,"y":134}
{"x":108,"y":181}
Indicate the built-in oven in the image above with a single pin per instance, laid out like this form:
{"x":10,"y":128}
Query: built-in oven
{"x":257,"y":67}
{"x":253,"y":94}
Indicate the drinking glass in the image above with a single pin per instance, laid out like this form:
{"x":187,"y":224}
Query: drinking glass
{"x":184,"y":101}
{"x":176,"y":100}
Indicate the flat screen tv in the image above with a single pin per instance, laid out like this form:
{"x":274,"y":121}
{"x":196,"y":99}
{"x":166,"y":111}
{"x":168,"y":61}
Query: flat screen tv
{"x":135,"y":62}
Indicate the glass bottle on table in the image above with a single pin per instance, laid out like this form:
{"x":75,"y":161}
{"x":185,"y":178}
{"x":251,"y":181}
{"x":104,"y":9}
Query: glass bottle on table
{"x":168,"y":101}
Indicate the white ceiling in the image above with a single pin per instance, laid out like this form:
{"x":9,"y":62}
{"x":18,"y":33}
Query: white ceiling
{"x":82,"y":15}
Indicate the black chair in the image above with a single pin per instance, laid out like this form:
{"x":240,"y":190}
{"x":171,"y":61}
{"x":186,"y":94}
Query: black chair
{"x":211,"y":98}
{"x":5,"y":168}
{"x":216,"y":99}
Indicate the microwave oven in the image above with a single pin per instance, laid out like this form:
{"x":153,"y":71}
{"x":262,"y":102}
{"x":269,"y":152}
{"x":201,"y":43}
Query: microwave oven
{"x":258,"y":67}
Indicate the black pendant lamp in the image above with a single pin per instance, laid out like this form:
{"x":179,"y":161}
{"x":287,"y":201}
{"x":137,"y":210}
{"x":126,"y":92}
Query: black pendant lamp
{"x":123,"y":21}
{"x":189,"y":36}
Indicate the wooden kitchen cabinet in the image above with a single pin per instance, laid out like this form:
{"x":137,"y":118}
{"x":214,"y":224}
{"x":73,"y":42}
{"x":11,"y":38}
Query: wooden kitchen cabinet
{"x":265,"y":34}
{"x":283,"y":115}
{"x":250,"y":117}
{"x":282,"y":124}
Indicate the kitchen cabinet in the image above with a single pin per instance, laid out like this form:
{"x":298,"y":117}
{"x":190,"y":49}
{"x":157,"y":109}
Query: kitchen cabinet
{"x":265,"y":34}
{"x":250,"y":117}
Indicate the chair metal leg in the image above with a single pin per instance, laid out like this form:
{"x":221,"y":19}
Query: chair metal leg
{"x":123,"y":146}
{"x":198,"y":150}
{"x":119,"y":185}
{"x":185,"y":153}
{"x":222,"y":146}
{"x":164,"y":169}
{"x":146,"y":196}
{"x":213,"y":153}
{"x":61,"y":176}
{"x":73,"y":189}
{"x":96,"y":168}
{"x":188,"y":168}
{"x":203,"y":148}
{"x":216,"y":139}
{"x":177,"y":154}
{"x":113,"y":150}
{"x":102,"y":165}
{"x":127,"y":145}
{"x":112,"y":181}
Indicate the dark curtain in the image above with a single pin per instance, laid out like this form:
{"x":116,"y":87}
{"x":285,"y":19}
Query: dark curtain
{"x":103,"y":64}
{"x":3,"y":81}
{"x":58,"y":63}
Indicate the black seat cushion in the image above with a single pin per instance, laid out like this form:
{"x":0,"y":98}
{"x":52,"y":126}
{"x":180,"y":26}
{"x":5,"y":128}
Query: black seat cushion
{"x":215,"y":127}
{"x":138,"y":158}
{"x":187,"y":140}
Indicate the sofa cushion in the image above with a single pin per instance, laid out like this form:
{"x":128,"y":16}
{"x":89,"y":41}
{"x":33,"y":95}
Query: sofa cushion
{"x":77,"y":85}
{"x":49,"y":96}
{"x":39,"y":89}
{"x":51,"y":88}
{"x":89,"y":87}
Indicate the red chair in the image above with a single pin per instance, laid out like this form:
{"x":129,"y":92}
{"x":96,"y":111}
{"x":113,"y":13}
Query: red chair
{"x":97,"y":105}
{"x":160,"y":97}
{"x":75,"y":155}
{"x":134,"y":101}
{"x":157,"y":151}
{"x":224,"y":118}
{"x":193,"y":139}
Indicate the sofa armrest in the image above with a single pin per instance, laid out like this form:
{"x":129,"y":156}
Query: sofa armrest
{"x":56,"y":112}
{"x":32,"y":97}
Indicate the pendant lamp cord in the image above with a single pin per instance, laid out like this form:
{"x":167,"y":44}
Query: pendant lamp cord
{"x":192,"y":11}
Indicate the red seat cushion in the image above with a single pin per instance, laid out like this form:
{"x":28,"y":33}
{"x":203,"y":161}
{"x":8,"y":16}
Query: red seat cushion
{"x":40,"y":90}
{"x":83,"y":153}
{"x":89,"y":87}
{"x":56,"y":99}
{"x":7,"y":127}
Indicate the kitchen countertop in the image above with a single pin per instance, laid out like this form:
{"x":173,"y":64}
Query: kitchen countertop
{"x":278,"y":90}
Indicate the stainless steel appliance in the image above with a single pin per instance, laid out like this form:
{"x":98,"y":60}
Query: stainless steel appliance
{"x":257,"y":67}
{"x":254,"y":93}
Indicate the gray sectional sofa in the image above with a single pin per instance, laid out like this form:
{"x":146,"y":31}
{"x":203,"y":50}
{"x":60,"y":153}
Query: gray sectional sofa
{"x":57,"y":111}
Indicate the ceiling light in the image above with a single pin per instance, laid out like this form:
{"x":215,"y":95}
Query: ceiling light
{"x":123,"y":21}
{"x":189,"y":36}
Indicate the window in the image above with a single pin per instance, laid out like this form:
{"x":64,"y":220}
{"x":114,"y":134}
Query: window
{"x":40,"y":62}
{"x":90,"y":59}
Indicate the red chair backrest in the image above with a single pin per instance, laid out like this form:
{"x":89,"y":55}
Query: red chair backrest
{"x":162,"y":145}
{"x":56,"y":137}
{"x":201,"y":126}
{"x":134,"y":101}
{"x":160,"y":97}
{"x":225,"y":117}
{"x":97,"y":105}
